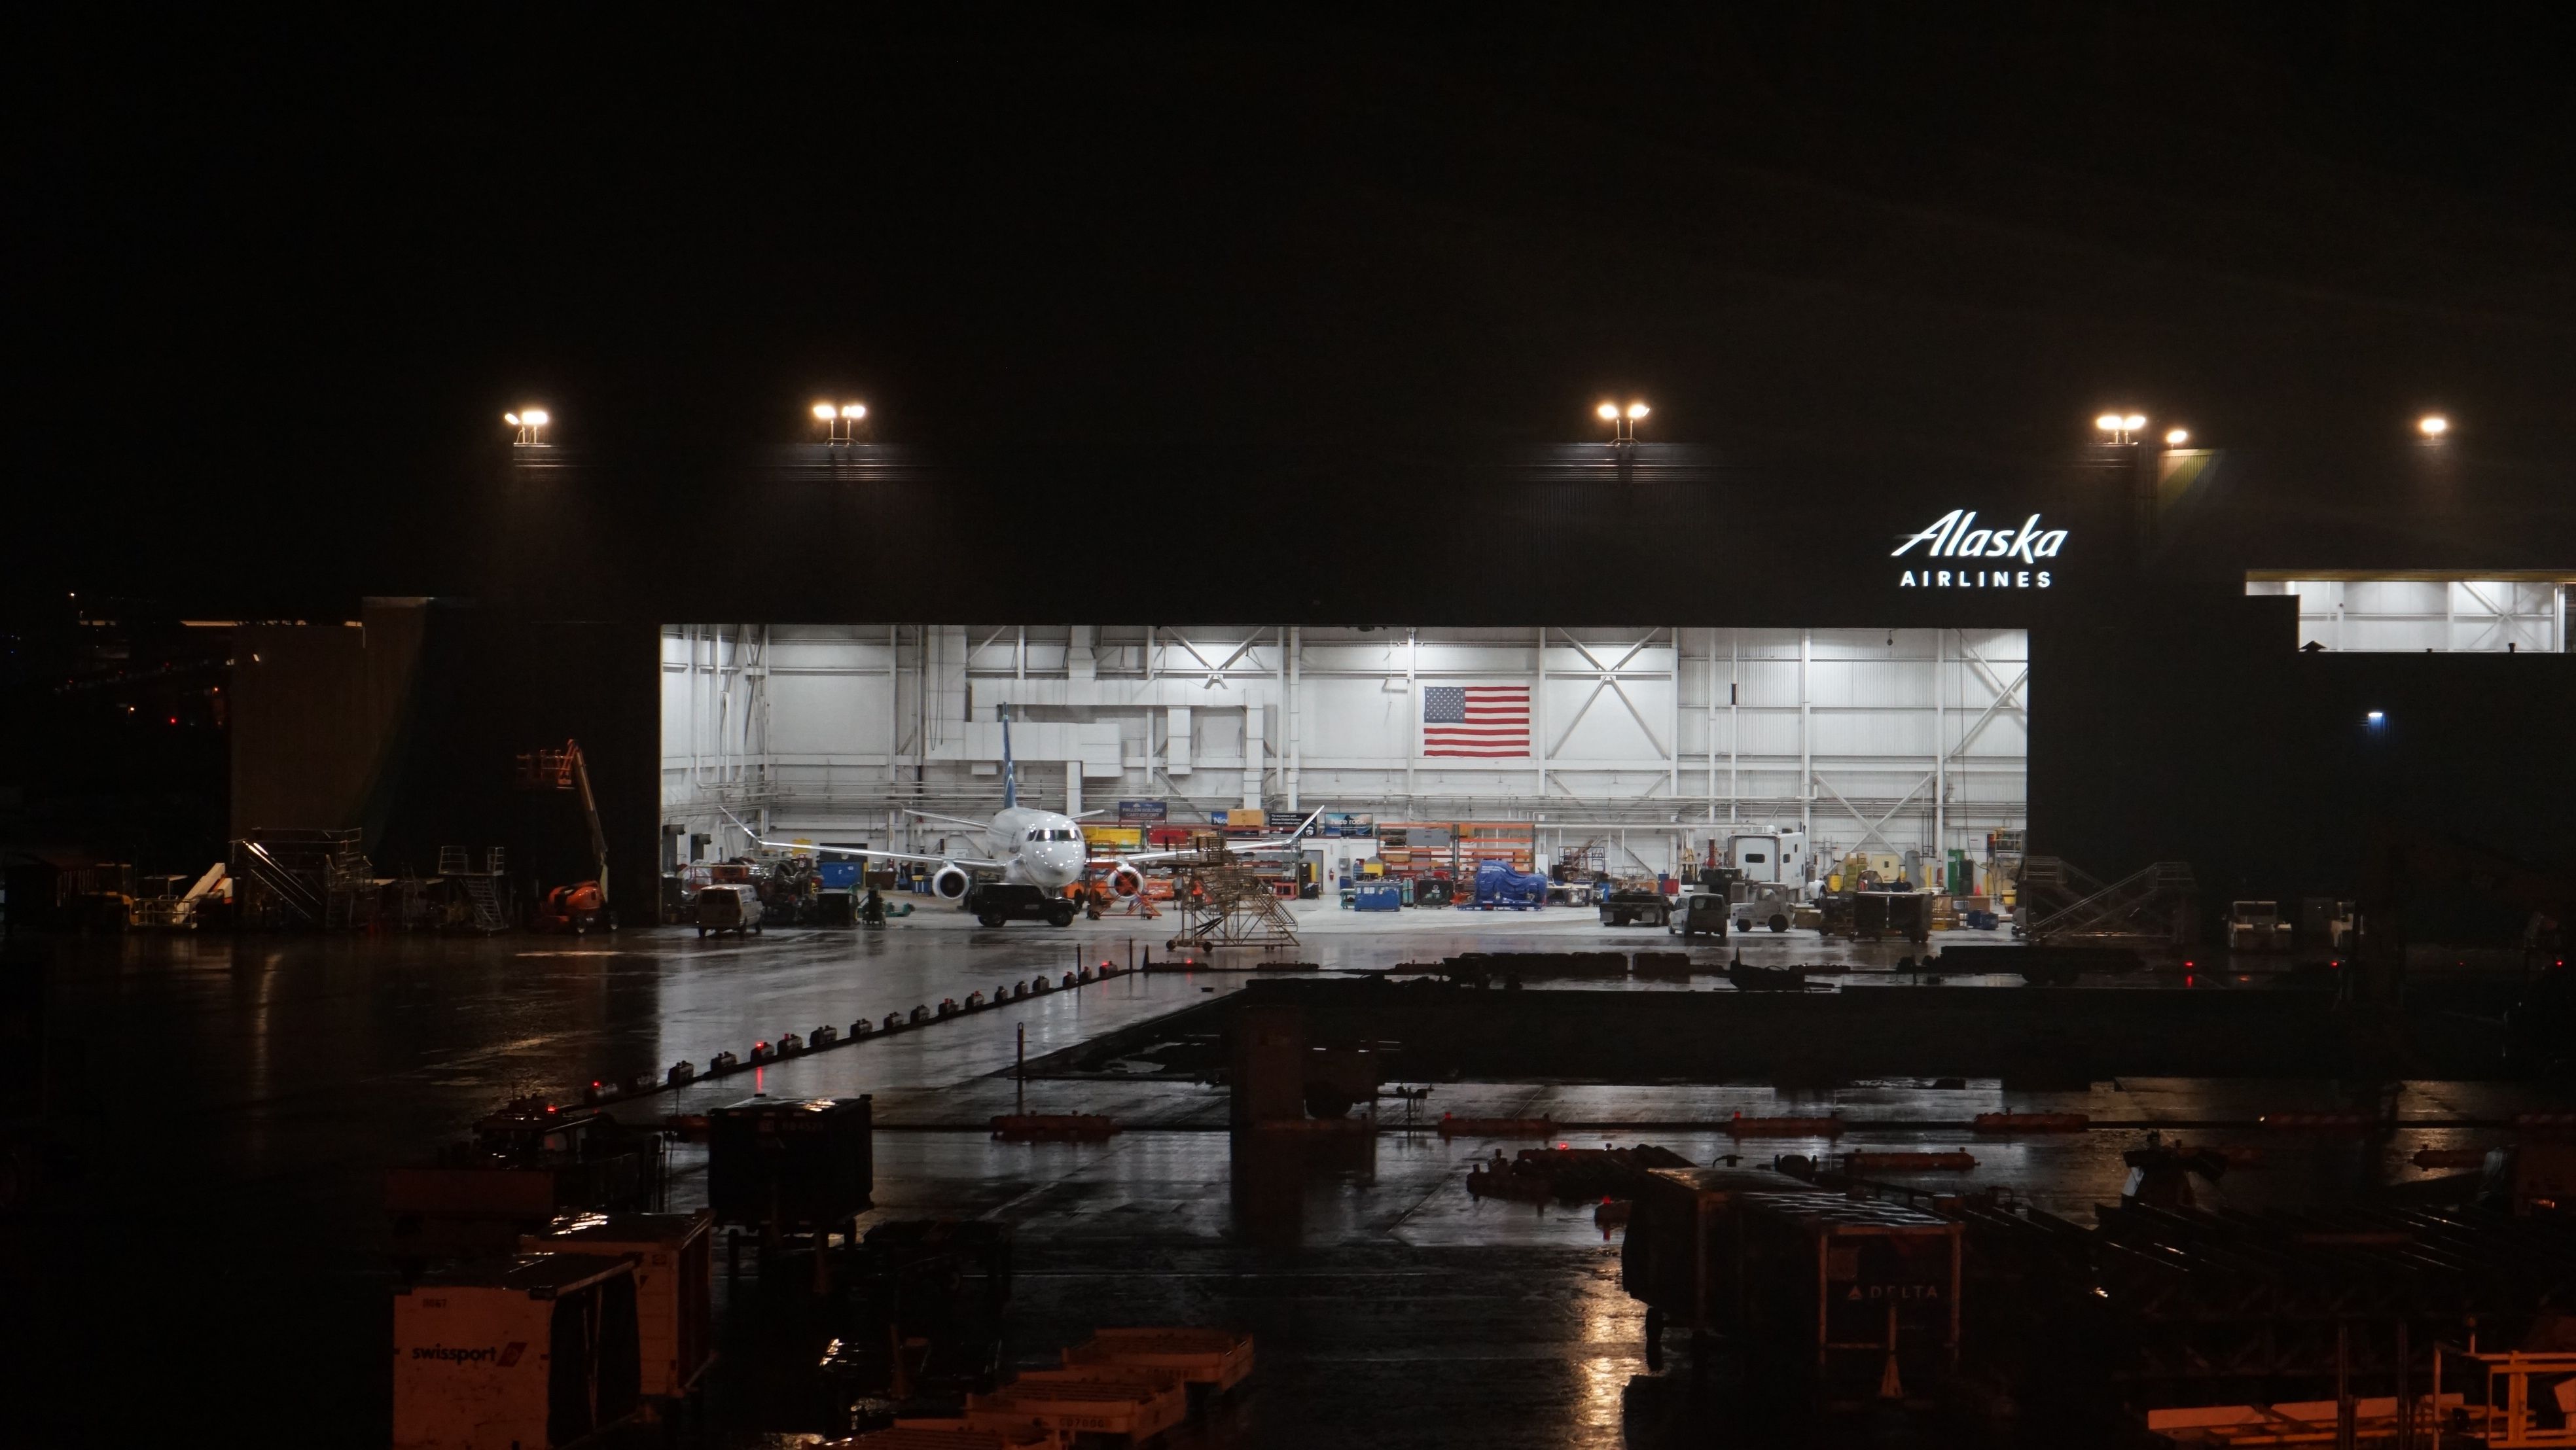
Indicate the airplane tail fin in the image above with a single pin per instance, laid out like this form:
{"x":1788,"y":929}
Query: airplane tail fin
{"x":1010,"y":776}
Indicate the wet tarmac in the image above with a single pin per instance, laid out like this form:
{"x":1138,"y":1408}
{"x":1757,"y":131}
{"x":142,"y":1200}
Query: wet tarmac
{"x":215,"y":1266}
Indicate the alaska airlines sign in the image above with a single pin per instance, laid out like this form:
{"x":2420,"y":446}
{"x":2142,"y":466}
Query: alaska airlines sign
{"x":1955,"y":536}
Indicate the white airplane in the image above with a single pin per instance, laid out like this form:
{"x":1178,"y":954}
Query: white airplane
{"x":1029,"y":847}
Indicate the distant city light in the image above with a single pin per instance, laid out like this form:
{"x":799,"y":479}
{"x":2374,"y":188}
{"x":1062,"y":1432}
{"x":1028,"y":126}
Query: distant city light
{"x":2433,"y":425}
{"x":2177,"y":438}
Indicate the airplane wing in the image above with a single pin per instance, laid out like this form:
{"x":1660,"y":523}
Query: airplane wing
{"x":951,"y":820}
{"x":969,"y":862}
{"x":1287,"y":842}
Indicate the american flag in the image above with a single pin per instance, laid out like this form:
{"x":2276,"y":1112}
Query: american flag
{"x":1476,"y":720}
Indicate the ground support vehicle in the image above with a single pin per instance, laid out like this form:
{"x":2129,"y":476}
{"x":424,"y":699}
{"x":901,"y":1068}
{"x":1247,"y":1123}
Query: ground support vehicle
{"x":1699,"y":913}
{"x":994,"y":903}
{"x":728,"y":907}
{"x":1635,"y":908}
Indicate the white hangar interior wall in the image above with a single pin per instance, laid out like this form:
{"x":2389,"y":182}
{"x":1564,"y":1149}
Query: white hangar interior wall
{"x":2426,"y":613}
{"x":1643,"y":738}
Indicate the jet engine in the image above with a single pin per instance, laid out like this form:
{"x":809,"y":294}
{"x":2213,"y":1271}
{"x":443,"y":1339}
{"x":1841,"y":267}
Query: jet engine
{"x":1126,"y":881}
{"x":950,"y":881}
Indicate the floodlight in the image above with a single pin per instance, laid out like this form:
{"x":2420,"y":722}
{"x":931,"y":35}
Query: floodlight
{"x":824,"y":412}
{"x":854,"y":410}
{"x":2433,"y":425}
{"x":1608,"y":411}
{"x":2177,"y":438}
{"x":1636,"y":410}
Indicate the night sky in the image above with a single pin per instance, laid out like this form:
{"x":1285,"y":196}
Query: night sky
{"x":278,"y":280}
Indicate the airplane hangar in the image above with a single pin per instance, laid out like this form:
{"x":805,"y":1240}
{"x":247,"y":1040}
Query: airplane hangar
{"x":1637,"y":745}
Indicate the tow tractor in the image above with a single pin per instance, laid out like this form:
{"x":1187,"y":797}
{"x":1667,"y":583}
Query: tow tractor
{"x":996,"y":902}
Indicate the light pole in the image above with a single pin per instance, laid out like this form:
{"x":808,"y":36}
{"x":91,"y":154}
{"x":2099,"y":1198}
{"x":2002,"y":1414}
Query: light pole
{"x":530,"y":424}
{"x":840,"y":423}
{"x":2122,"y":427}
{"x":1622,"y":421}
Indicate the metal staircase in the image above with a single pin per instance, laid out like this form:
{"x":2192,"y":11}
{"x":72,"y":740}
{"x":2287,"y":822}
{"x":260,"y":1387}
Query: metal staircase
{"x":308,"y":878}
{"x":2156,"y":906}
{"x":254,"y":862}
{"x":482,"y":888}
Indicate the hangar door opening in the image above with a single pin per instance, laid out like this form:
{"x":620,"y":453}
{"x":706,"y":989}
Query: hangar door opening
{"x":1641,"y":743}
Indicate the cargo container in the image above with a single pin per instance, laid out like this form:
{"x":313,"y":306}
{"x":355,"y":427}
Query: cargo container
{"x":1855,"y":1298}
{"x":674,"y":1280}
{"x":1682,"y":1249}
{"x":525,"y":1353}
{"x":790,"y":1165}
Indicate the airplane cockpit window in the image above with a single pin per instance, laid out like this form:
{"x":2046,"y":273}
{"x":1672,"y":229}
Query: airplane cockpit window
{"x":1037,"y":835}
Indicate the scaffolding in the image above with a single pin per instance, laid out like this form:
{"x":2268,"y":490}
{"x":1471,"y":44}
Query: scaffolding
{"x":1224,"y":904}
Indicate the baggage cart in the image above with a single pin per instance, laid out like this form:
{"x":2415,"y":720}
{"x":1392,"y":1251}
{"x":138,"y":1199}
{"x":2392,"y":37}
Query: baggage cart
{"x":1680,"y":1256}
{"x":1858,"y":1298}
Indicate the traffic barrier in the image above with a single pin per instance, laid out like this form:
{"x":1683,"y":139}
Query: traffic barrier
{"x":824,"y":1036}
{"x":789,"y":1044}
{"x":1611,"y":1214}
{"x":722,"y":1063}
